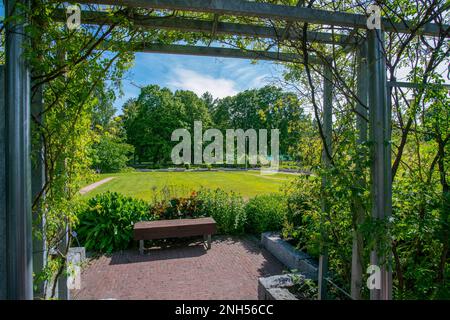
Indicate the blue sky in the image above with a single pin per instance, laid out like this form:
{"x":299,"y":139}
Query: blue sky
{"x":219,"y":76}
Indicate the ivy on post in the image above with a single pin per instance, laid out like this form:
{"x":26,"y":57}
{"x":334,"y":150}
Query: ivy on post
{"x":326,"y":161}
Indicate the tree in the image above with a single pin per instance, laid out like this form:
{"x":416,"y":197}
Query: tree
{"x":150,"y":120}
{"x":209,"y":101}
{"x":194,"y":109}
{"x":110,"y":153}
{"x":265,"y":108}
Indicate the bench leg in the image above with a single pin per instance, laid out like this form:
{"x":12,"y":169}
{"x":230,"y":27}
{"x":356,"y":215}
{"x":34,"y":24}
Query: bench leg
{"x":141,"y":246}
{"x":208,"y":241}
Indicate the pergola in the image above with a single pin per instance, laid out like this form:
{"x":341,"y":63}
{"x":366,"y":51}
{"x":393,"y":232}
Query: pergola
{"x":373,"y":90}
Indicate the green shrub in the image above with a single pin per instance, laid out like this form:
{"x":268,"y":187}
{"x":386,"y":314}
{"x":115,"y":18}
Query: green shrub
{"x":265,"y":213}
{"x":106,"y":223}
{"x":127,"y":170}
{"x":302,"y":223}
{"x":227,"y":209}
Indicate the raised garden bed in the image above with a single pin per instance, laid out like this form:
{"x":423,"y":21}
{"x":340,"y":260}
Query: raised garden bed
{"x":292,"y":286}
{"x":297,"y":261}
{"x":287,"y":287}
{"x":276,"y":288}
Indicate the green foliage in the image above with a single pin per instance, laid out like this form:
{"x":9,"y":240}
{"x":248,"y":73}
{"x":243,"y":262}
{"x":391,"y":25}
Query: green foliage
{"x":309,"y":228}
{"x":304,"y":289}
{"x":266,"y":108}
{"x":227,"y":209}
{"x":417,"y":239}
{"x":231,"y":213}
{"x":265,"y":213}
{"x":106,"y":223}
{"x":301,"y":225}
{"x":150,"y":120}
{"x":110,"y":154}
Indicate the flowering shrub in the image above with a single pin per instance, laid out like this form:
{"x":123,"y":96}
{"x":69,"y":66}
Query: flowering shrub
{"x":177,"y":208}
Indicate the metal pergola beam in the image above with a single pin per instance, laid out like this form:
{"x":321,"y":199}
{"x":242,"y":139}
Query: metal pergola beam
{"x":380,"y":121}
{"x":221,"y":52}
{"x":3,"y":256}
{"x":275,"y":12}
{"x":410,"y":85}
{"x":221,"y":28}
{"x":327,"y":127}
{"x":37,"y":184}
{"x":358,"y":209}
{"x":18,"y":165}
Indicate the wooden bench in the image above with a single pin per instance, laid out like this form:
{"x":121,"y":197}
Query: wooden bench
{"x":179,"y":228}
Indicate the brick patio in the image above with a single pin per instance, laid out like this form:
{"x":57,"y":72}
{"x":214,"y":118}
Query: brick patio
{"x":184,"y":271}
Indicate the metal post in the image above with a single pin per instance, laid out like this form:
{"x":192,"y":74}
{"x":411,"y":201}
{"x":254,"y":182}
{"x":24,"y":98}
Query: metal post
{"x":327,"y":131}
{"x":359,"y":213}
{"x":63,"y":290}
{"x":3,"y":274}
{"x":37,"y":183}
{"x":381,"y":166}
{"x":388,"y":179}
{"x":18,"y":165}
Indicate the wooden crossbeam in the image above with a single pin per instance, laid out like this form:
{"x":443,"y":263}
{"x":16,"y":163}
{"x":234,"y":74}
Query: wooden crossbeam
{"x":276,"y":12}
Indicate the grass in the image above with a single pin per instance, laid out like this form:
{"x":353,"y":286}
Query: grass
{"x":151,"y":186}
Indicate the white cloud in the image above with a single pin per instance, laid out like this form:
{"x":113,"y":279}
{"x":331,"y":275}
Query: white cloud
{"x":259,"y":81}
{"x":186,"y":79}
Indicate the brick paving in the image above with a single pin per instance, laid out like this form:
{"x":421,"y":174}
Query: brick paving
{"x":229,"y":270}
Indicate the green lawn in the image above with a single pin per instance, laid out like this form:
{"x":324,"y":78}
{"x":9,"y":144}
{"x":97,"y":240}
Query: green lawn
{"x":156,"y":185}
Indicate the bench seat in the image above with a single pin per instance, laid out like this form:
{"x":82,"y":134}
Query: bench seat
{"x":178,"y":228}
